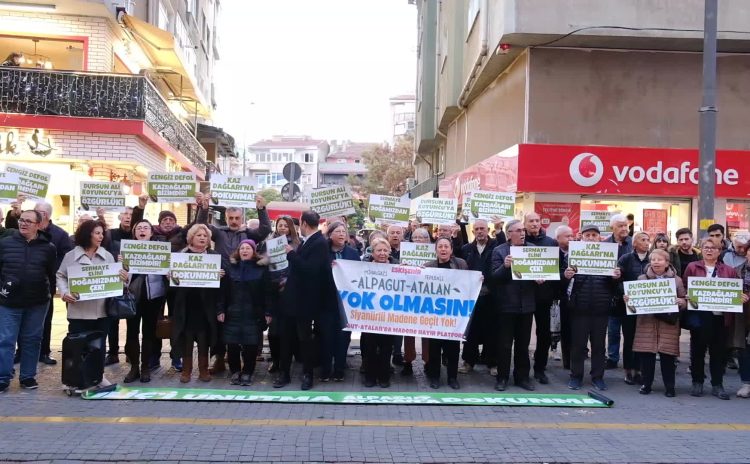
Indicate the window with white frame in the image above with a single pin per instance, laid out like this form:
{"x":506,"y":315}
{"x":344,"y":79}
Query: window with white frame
{"x":309,"y":158}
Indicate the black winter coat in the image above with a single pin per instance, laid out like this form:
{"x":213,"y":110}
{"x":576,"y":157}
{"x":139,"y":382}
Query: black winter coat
{"x":26,"y":270}
{"x":114,"y":238}
{"x":245,"y":304}
{"x":511,"y":296}
{"x":309,"y":289}
{"x":227,"y":241}
{"x":481,"y":262}
{"x":631,"y":267}
{"x":210,"y":299}
{"x":592,"y":295}
{"x":56,"y":236}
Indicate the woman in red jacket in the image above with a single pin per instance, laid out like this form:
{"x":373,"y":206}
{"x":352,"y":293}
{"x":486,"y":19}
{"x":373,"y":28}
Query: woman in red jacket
{"x":707,"y":329}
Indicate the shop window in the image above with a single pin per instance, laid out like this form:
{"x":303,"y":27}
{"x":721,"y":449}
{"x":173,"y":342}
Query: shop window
{"x":45,"y":52}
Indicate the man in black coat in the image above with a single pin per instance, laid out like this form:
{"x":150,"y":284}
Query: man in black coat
{"x":515,"y":301}
{"x":545,"y":294}
{"x":309,"y":298}
{"x":589,"y":306}
{"x":60,"y":239}
{"x":564,"y":235}
{"x":27,"y":260}
{"x":478,"y":256}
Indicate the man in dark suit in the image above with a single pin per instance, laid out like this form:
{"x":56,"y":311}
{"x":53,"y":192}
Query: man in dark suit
{"x":309,"y":296}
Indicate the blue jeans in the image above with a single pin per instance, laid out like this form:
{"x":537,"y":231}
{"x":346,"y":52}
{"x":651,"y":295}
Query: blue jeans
{"x":25,"y":326}
{"x":613,"y":338}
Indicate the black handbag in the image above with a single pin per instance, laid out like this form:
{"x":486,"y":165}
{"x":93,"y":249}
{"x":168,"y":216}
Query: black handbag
{"x":121,"y":307}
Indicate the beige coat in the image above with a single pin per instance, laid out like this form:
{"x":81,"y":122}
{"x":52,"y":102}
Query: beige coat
{"x":653,"y":335}
{"x":90,"y":309}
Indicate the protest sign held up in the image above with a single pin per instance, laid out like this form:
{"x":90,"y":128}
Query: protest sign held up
{"x":384,"y":209}
{"x":486,"y":205}
{"x":195,"y":270}
{"x":593,"y":258}
{"x":715,"y":294}
{"x":232,"y":191}
{"x":33,"y":184}
{"x":651,"y":296}
{"x":416,"y":254}
{"x":145,"y":256}
{"x":95,"y":281}
{"x":171,"y":187}
{"x":8,"y":187}
{"x":436,"y":210}
{"x":332,"y":201}
{"x":404,"y":300}
{"x":535,"y":263}
{"x":107,"y":195}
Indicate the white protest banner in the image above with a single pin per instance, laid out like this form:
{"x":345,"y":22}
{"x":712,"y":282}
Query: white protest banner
{"x":715,"y":294}
{"x":653,"y":296}
{"x":484,"y":205}
{"x":95,"y":281}
{"x":416,"y":254}
{"x":232,"y":191}
{"x":405,"y":300}
{"x":195,"y":270}
{"x":600,"y":219}
{"x":436,"y":210}
{"x":145,"y":256}
{"x":593,"y":258}
{"x":535,"y":263}
{"x":8,"y":187}
{"x":277,"y":253}
{"x":107,"y":195}
{"x":332,"y":201}
{"x":171,"y":187}
{"x":33,"y":184}
{"x":389,"y":210}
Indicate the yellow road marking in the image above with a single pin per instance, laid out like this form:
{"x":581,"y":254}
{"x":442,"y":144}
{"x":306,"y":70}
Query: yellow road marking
{"x":374,"y":423}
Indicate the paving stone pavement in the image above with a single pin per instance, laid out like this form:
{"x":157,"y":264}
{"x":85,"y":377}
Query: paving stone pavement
{"x":648,"y":429}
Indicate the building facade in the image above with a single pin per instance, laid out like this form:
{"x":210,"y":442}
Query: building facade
{"x":265,"y":160}
{"x":102,"y":93}
{"x":403,"y":108}
{"x":344,"y":160}
{"x":498,"y":79}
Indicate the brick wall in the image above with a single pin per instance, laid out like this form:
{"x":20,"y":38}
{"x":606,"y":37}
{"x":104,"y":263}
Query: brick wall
{"x":99,"y":31}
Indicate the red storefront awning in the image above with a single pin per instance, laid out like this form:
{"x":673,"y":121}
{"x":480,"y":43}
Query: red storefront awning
{"x":601,"y":170}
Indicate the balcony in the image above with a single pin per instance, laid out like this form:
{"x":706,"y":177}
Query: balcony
{"x":96,"y":95}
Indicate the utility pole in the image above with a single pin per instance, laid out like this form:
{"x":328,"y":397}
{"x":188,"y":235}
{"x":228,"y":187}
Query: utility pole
{"x":707,"y":138}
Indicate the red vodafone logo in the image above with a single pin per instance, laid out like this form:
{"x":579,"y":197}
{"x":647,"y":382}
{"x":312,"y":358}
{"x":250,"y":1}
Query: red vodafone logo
{"x":586,"y":169}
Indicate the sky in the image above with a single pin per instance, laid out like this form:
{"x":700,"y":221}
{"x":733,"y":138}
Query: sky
{"x":324,"y":68}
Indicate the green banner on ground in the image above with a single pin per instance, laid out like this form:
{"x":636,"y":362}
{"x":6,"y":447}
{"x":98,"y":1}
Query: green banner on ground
{"x":415,"y":398}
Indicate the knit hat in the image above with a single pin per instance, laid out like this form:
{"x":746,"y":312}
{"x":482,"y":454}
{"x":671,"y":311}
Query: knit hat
{"x":249,"y":242}
{"x":165,"y":214}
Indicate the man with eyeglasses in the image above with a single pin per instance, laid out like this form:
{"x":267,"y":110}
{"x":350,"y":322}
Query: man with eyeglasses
{"x":516,"y":303}
{"x":707,"y":329}
{"x":27,"y":260}
{"x":60,"y":239}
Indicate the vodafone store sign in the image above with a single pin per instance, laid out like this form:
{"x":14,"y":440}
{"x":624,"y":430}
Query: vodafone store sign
{"x":627,"y":171}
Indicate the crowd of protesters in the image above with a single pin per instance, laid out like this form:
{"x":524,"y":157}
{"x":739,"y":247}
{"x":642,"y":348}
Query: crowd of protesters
{"x":300,"y":309}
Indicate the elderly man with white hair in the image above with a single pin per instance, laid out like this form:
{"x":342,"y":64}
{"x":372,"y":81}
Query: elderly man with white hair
{"x":620,"y":235}
{"x":59,"y":238}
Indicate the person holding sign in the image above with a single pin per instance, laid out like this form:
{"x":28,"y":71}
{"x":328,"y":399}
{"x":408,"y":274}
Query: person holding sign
{"x":438,"y":347}
{"x":149,"y":291}
{"x":244,"y":310}
{"x":419,"y":235}
{"x":336,"y":350}
{"x":516,"y":303}
{"x":589,"y":306}
{"x":284,"y":228}
{"x":632,"y":265}
{"x":377,"y":348}
{"x":621,"y":236}
{"x":90,"y":314}
{"x":707,"y":329}
{"x":658,"y":333}
{"x":195,"y":310}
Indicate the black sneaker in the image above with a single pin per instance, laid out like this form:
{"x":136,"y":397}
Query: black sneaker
{"x":407,"y":370}
{"x":338,"y":376}
{"x":29,"y":384}
{"x":47,"y":359}
{"x":610,"y":364}
{"x":4,"y":387}
{"x":398,"y":360}
{"x":111,"y":359}
{"x":542,"y":378}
